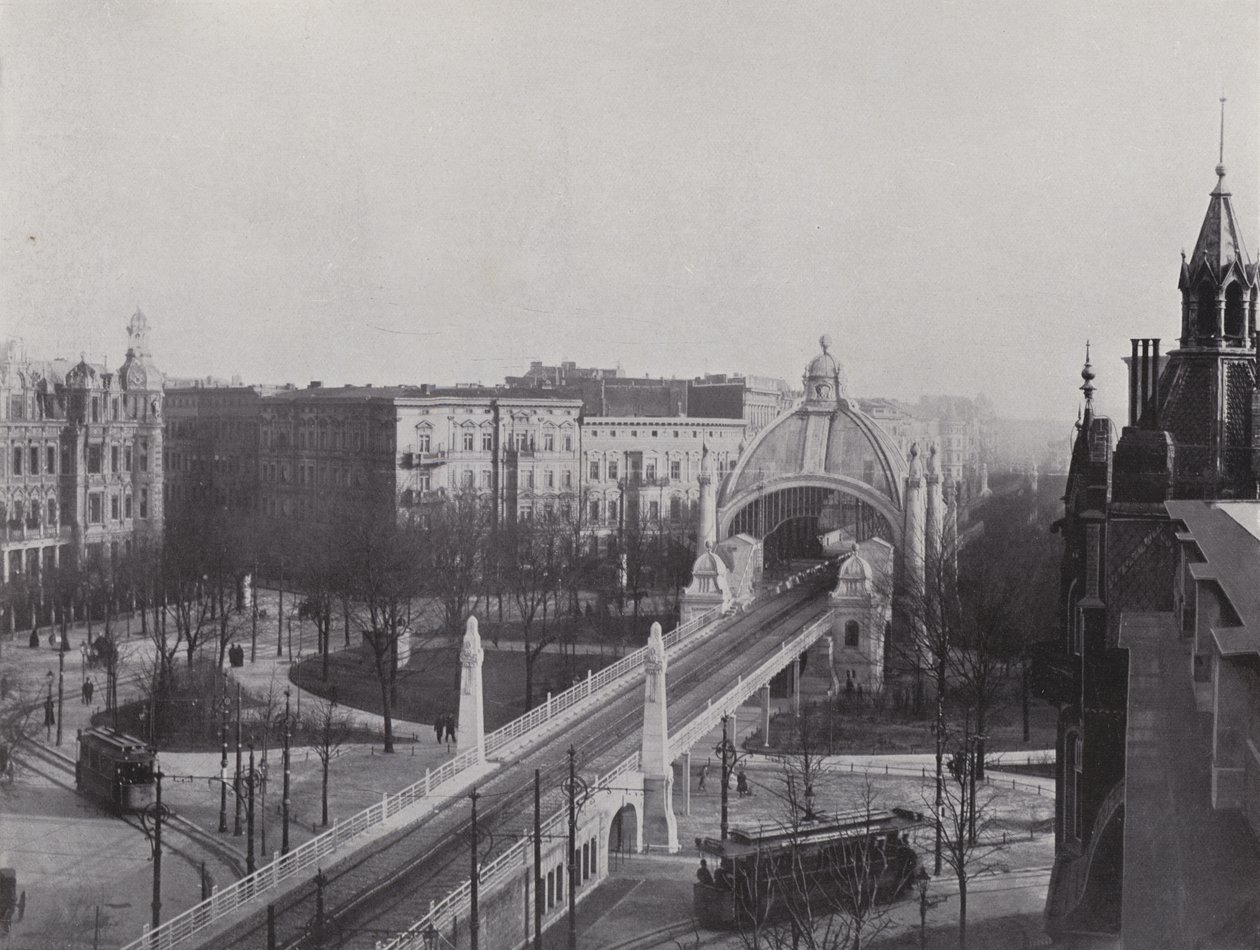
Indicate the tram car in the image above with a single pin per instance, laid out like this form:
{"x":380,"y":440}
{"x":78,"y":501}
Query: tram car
{"x":832,"y":858}
{"x":114,"y":768}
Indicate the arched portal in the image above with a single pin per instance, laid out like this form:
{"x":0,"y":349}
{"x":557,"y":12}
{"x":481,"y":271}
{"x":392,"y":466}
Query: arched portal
{"x":790,"y":520}
{"x":623,"y":833}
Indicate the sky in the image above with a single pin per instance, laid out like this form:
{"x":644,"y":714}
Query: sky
{"x":959,"y":193}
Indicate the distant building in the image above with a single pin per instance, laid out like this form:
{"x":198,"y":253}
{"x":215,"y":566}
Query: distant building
{"x":210,"y":446}
{"x":758,"y":400}
{"x":81,"y":470}
{"x":962,"y":429}
{"x":322,"y":450}
{"x":647,"y":469}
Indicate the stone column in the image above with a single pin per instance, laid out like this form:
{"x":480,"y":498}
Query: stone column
{"x":934,"y":528}
{"x":765,"y":715}
{"x":472,"y":719}
{"x":914,"y":527}
{"x":660,"y":828}
{"x":707,"y":533}
{"x":687,"y":783}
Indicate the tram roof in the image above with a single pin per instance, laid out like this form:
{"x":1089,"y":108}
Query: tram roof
{"x":824,"y":830}
{"x":120,"y":742}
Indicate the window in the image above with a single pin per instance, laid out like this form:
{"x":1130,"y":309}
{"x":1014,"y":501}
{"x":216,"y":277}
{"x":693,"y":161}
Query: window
{"x":468,"y":442}
{"x":487,"y":441}
{"x":612,"y":511}
{"x":34,"y":460}
{"x":551,"y":479}
{"x":127,"y":506}
{"x":114,"y":408}
{"x":115,"y":508}
{"x":567,"y":481}
{"x":594,"y":512}
{"x":675,"y":469}
{"x":66,"y":467}
{"x":96,"y":409}
{"x":467,"y":476}
{"x":17,"y":461}
{"x":423,"y":441}
{"x":654,"y":510}
{"x":568,"y":442}
{"x":851,"y":632}
{"x":594,"y":472}
{"x":549,"y":441}
{"x":144,"y":458}
{"x":423,"y":481}
{"x":612,"y":470}
{"x":94,"y":508}
{"x":649,"y":471}
{"x":529,"y":479}
{"x":144,"y":503}
{"x":485,"y":479}
{"x":94,"y":459}
{"x":52,"y":512}
{"x":113,"y":459}
{"x":50,"y":460}
{"x":675,"y":509}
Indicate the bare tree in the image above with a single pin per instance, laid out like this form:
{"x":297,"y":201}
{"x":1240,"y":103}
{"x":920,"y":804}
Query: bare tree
{"x":329,"y":729}
{"x":453,"y":549}
{"x":966,"y":818}
{"x":534,"y":571}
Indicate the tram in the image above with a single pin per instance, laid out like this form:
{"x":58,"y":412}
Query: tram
{"x":830,"y":860}
{"x":114,"y":768}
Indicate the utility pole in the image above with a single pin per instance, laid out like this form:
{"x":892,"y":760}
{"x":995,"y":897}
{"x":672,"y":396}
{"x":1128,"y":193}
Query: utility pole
{"x":157,"y":850}
{"x":61,"y":675}
{"x":572,"y":849}
{"x":724,"y":750}
{"x":538,"y":891}
{"x":249,"y":813}
{"x":223,"y":760}
{"x":284,"y":802}
{"x":253,"y":621}
{"x":472,"y":878}
{"x":280,"y":613}
{"x":236,"y":782}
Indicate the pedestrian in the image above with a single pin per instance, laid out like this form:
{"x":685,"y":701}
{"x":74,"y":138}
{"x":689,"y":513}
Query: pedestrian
{"x":704,"y":774}
{"x":439,"y":728}
{"x":741,"y":784}
{"x":90,"y":688}
{"x":703,"y":875}
{"x":450,"y":728}
{"x":83,"y":693}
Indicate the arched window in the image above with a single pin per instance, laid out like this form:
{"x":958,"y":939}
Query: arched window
{"x":1235,"y":321}
{"x":851,"y":633}
{"x":1206,"y":323}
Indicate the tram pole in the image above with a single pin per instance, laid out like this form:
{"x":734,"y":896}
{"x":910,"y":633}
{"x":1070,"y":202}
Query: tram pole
{"x":726,"y":780}
{"x":157,"y":851}
{"x":472,"y":878}
{"x":223,"y":763}
{"x":61,"y":682}
{"x":572,"y":850}
{"x":249,"y":813}
{"x":284,"y":801}
{"x":538,"y":891}
{"x":236,"y":781}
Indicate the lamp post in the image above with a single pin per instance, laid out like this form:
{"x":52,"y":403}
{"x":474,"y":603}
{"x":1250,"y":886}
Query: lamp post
{"x":48,"y":708}
{"x":223,"y":761}
{"x":729,"y":755}
{"x":152,"y":817}
{"x":284,"y":802}
{"x":250,"y":779}
{"x":61,"y":685}
{"x":280,"y":613}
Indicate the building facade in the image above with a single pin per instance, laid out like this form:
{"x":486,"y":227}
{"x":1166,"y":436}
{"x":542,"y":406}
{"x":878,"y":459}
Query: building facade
{"x":81,"y":478}
{"x":647,"y":469}
{"x":1190,"y":435}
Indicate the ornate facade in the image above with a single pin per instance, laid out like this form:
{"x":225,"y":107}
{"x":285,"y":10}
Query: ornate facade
{"x":81,"y":474}
{"x":1190,"y":434}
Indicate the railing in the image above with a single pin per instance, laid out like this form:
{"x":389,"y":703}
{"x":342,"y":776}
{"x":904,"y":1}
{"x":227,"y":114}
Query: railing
{"x":709,"y":717}
{"x":308,"y":856}
{"x":459,"y":900}
{"x":593,"y":682}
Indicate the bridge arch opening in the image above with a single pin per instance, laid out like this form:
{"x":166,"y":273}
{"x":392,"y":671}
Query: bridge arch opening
{"x":623,"y":833}
{"x":791,"y":520}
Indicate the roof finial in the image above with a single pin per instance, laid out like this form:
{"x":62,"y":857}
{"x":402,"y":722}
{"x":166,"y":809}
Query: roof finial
{"x":825,"y":342}
{"x":1087,"y":374}
{"x":1220,"y":160}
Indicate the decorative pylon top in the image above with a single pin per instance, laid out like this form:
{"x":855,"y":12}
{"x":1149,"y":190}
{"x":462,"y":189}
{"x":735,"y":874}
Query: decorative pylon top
{"x":1087,"y":374}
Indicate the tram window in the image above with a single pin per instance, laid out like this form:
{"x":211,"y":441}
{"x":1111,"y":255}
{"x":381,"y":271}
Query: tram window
{"x":560,"y":884}
{"x":551,"y":889}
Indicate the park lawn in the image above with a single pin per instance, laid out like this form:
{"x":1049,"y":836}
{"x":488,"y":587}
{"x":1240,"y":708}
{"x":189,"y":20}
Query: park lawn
{"x":428,"y":686}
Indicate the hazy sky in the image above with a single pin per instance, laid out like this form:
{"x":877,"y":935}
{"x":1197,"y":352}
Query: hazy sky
{"x":960,"y":193}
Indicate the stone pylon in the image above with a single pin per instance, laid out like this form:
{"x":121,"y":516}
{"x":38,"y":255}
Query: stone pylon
{"x":914,"y":534}
{"x":660,"y":828}
{"x":706,"y":536}
{"x":472,"y":715}
{"x":935,"y":505}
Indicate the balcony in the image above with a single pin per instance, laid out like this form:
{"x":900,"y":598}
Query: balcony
{"x":419,"y":459}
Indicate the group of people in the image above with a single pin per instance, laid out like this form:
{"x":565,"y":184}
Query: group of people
{"x":236,"y":655}
{"x":444,"y":728}
{"x":741,"y":781}
{"x":88,"y":689}
{"x":705,"y":876}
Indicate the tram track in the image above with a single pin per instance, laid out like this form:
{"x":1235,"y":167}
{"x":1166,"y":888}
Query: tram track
{"x":198,"y":843}
{"x":387,"y":885}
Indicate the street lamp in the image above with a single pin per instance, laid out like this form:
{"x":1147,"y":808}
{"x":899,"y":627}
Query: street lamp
{"x":284,"y":834}
{"x":730,"y":756}
{"x":48,"y":708}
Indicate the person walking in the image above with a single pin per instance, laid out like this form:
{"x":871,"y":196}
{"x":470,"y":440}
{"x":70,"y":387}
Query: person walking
{"x":704,"y":774}
{"x":439,"y":728}
{"x":89,"y":689}
{"x":83,"y":693}
{"x":450,"y":728}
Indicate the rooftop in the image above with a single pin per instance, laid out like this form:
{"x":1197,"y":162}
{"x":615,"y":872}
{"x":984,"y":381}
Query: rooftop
{"x":1227,"y":534}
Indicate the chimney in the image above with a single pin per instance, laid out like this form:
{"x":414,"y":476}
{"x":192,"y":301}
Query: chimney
{"x":1133,"y":388}
{"x":315,"y":384}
